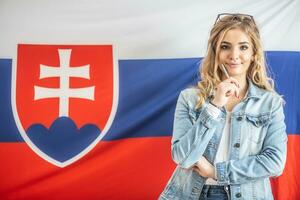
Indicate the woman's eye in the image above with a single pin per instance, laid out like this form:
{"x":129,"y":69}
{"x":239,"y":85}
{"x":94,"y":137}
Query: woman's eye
{"x":244,"y":47}
{"x":224,"y":47}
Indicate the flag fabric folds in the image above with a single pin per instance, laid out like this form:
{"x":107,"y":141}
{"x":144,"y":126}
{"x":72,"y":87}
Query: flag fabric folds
{"x":88,"y":92}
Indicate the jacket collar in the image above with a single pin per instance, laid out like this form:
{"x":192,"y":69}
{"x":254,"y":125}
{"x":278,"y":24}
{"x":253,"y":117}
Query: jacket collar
{"x":254,"y":91}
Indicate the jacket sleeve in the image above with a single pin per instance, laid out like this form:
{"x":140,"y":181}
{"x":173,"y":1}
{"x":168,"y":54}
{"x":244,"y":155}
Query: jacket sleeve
{"x":191,"y":135}
{"x":269,"y":162}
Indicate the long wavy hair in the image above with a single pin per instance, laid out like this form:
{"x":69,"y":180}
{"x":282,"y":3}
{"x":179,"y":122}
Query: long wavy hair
{"x":210,"y":71}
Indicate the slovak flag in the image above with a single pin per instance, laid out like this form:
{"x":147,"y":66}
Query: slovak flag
{"x":88,"y":92}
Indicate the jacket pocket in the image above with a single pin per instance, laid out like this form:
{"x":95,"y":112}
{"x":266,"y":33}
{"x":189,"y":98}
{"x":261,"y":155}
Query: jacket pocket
{"x":258,"y":121}
{"x":257,"y":127}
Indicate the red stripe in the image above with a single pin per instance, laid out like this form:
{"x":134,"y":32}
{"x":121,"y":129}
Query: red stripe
{"x":124,"y":169}
{"x":287,"y":186}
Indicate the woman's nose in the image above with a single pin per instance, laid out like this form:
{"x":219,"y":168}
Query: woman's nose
{"x":234,"y":54}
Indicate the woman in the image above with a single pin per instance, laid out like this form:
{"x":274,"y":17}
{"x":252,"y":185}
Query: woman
{"x":229,"y":132}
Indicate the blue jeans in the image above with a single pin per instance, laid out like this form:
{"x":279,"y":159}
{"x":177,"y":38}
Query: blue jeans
{"x":215,"y":192}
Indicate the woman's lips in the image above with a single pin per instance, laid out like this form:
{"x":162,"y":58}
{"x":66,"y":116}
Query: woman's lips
{"x":235,"y":65}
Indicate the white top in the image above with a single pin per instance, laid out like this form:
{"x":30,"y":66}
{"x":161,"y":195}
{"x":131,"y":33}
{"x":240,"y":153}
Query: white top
{"x":223,"y":149}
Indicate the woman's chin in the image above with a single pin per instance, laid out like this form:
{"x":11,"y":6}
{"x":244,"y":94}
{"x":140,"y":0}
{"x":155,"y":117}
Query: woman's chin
{"x":235,"y":73}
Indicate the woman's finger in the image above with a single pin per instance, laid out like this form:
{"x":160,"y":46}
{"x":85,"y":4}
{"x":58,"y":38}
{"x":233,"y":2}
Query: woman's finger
{"x":234,"y":81}
{"x":229,"y":93}
{"x":231,"y":90}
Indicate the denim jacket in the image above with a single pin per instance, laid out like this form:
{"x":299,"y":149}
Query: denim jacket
{"x":258,"y":145}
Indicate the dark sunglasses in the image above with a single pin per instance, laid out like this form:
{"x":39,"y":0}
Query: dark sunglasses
{"x":227,"y":17}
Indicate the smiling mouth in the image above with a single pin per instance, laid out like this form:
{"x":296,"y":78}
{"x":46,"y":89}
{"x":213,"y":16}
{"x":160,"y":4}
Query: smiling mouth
{"x":233,"y":65}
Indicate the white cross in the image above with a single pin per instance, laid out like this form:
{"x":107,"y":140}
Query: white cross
{"x":64,"y":72}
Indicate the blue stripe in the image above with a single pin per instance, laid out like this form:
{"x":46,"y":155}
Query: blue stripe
{"x":149,"y":89}
{"x":285,"y":68}
{"x":148,"y":94}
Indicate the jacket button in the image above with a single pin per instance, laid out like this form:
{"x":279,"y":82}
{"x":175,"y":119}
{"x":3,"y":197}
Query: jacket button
{"x":239,"y":118}
{"x":237,"y":145}
{"x":238,"y":195}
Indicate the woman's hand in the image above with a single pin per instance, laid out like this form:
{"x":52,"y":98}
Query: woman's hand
{"x":204,"y":168}
{"x":226,"y":89}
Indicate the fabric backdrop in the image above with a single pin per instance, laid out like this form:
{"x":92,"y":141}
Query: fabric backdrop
{"x":88,"y":91}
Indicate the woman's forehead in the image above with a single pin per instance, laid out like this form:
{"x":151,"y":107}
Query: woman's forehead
{"x":236,"y":36}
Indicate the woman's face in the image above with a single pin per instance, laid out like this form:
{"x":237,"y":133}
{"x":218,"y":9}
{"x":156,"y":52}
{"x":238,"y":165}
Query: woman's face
{"x":236,"y":53}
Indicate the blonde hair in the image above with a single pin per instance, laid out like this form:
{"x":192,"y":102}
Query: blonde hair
{"x":210,"y":72}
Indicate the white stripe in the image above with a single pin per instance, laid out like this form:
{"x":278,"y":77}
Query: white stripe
{"x":141,"y":29}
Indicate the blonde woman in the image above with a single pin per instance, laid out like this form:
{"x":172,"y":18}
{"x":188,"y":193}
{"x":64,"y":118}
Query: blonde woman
{"x":229,"y":132}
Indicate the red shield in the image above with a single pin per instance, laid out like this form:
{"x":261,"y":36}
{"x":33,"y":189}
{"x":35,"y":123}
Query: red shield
{"x":64,"y":98}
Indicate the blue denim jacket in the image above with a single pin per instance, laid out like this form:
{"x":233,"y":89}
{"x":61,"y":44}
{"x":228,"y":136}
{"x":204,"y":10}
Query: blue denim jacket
{"x":258,"y":145}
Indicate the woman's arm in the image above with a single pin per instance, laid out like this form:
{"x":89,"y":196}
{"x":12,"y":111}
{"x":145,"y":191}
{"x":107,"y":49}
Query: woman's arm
{"x":269,"y":162}
{"x":190,"y":139}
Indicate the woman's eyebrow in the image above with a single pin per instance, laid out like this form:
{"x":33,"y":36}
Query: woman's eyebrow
{"x":225,"y":42}
{"x":243,"y":42}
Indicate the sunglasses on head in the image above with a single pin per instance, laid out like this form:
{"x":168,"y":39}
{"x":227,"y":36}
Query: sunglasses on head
{"x":227,"y":17}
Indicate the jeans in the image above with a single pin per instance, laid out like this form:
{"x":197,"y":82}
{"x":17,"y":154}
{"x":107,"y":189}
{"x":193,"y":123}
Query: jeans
{"x":215,"y":192}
